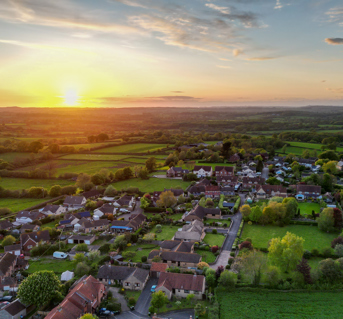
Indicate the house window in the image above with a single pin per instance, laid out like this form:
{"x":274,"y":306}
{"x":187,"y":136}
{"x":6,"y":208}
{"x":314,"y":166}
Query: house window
{"x":178,"y":290}
{"x":186,"y":291}
{"x":137,"y":284}
{"x":29,"y":246}
{"x":127,"y":284}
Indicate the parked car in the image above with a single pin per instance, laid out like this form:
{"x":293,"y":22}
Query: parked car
{"x":6,"y":298}
{"x":153,"y":288}
{"x":124,"y":210}
{"x":60,"y":255}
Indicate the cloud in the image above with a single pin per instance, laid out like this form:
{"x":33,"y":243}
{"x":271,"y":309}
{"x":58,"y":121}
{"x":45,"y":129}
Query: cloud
{"x":224,"y":59}
{"x":263,"y":58}
{"x":223,"y":10}
{"x":237,"y":52}
{"x":223,"y":66}
{"x":174,"y":98}
{"x":176,"y":91}
{"x":278,"y":5}
{"x":131,"y":3}
{"x":339,"y":90}
{"x":336,"y":15}
{"x":145,"y":100}
{"x":334,"y":41}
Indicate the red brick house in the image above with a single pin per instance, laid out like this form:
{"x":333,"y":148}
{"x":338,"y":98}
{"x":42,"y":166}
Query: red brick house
{"x":212,"y":191}
{"x":30,"y":240}
{"x":7,"y":267}
{"x":227,"y":180}
{"x":234,"y":158}
{"x":249,"y":182}
{"x":224,"y":171}
{"x":176,"y":172}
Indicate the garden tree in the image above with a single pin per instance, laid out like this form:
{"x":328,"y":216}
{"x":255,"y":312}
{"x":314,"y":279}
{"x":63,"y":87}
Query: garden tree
{"x":252,"y":265}
{"x":8,"y":240}
{"x":286,"y":252}
{"x":276,"y":199}
{"x":190,"y":298}
{"x":211,"y":280}
{"x":150,"y":164}
{"x":190,"y":165}
{"x":39,"y":288}
{"x":157,"y":259}
{"x":336,"y":241}
{"x":68,"y":190}
{"x":110,"y":191}
{"x":97,"y":179}
{"x":158,"y":299}
{"x":167,"y":199}
{"x":290,"y":158}
{"x":89,"y":316}
{"x":82,"y":180}
{"x":305,"y":154}
{"x":329,"y":270}
{"x":79,"y":258}
{"x":331,"y":155}
{"x":82,"y":269}
{"x":180,"y":163}
{"x":143,"y":173}
{"x":255,"y":214}
{"x":326,"y":220}
{"x":120,"y":242}
{"x":273,"y":181}
{"x":202,"y":265}
{"x":226,"y":149}
{"x":145,"y":203}
{"x":337,"y":216}
{"x":245,"y":211}
{"x":55,"y":191}
{"x":291,"y":207}
{"x":304,"y":268}
{"x":149,"y":237}
{"x":127,"y":171}
{"x":227,"y":279}
{"x":245,"y":245}
{"x":181,"y":199}
{"x":209,"y":202}
{"x":182,"y":156}
{"x":272,"y":276}
{"x":91,"y":204}
{"x":330,"y":167}
{"x":198,"y":309}
{"x":35,"y":146}
{"x":219,"y":270}
{"x":327,"y":182}
{"x":171,"y":159}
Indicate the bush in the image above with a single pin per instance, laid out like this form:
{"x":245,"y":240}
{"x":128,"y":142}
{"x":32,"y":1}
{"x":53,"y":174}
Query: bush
{"x":232,"y":254}
{"x":326,"y":252}
{"x":132,"y":301}
{"x":214,"y":249}
{"x":307,"y":254}
{"x":315,"y":252}
{"x":214,"y":231}
{"x":144,"y":259}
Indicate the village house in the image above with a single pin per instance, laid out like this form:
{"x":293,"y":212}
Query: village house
{"x":176,"y":259}
{"x":202,"y":171}
{"x":123,"y":226}
{"x":6,"y":225}
{"x":308,"y":191}
{"x":14,"y":310}
{"x":126,"y":201}
{"x":74,"y":202}
{"x":193,"y":232}
{"x":13,"y":249}
{"x":227,"y":190}
{"x":86,"y":226}
{"x":176,"y":191}
{"x":177,"y":245}
{"x":249,"y":182}
{"x":30,"y":240}
{"x":339,"y":165}
{"x":92,"y":194}
{"x":106,"y":209}
{"x":28,"y":228}
{"x":7,"y":267}
{"x":176,"y":172}
{"x":234,"y":158}
{"x":156,"y":269}
{"x":181,"y":285}
{"x":224,"y":171}
{"x":199,"y":212}
{"x":26,"y":217}
{"x":84,"y":297}
{"x":53,"y":210}
{"x":227,"y":180}
{"x":131,"y":278}
{"x":266,"y":191}
{"x":212,"y":191}
{"x":196,"y":190}
{"x":81,"y":215}
{"x":81,"y":239}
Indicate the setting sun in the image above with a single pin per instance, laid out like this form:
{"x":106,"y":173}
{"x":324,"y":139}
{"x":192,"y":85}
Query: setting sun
{"x":71,"y":98}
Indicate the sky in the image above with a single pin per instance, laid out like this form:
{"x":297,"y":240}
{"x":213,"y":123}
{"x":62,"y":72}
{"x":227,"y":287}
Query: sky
{"x":181,"y":53}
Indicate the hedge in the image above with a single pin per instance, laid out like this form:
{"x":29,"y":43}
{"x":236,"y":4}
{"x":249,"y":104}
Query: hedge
{"x":301,"y":222}
{"x":154,"y":209}
{"x":238,"y":202}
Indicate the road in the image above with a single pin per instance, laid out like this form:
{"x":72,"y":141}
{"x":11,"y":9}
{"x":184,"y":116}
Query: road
{"x":143,"y":302}
{"x":177,"y":314}
{"x":265,"y":173}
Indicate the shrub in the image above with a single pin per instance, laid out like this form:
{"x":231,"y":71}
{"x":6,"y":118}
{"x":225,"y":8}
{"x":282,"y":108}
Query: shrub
{"x":214,"y":249}
{"x":336,"y":241}
{"x":132,"y":301}
{"x":214,"y":231}
{"x":144,"y":259}
{"x":232,"y":254}
{"x":326,"y":252}
{"x":207,"y":248}
{"x":315,"y":252}
{"x":307,"y":254}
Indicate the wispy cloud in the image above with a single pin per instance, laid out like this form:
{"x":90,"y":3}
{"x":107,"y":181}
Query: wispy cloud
{"x":278,"y":5}
{"x":337,"y":90}
{"x":263,"y":58}
{"x":223,"y":10}
{"x":334,"y":41}
{"x":223,"y":66}
{"x":176,"y":91}
{"x":336,"y":15}
{"x":237,"y":52}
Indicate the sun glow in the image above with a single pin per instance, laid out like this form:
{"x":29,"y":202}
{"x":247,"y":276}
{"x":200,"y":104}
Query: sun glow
{"x":71,"y":98}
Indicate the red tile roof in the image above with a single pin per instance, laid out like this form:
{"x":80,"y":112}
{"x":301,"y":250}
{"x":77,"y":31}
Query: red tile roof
{"x":158,"y":267}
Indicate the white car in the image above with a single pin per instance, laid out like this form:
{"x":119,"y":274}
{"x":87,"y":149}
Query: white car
{"x":124,"y":210}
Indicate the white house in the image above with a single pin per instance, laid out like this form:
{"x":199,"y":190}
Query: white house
{"x":13,"y":249}
{"x":74,"y":202}
{"x":203,"y":171}
{"x":53,"y":210}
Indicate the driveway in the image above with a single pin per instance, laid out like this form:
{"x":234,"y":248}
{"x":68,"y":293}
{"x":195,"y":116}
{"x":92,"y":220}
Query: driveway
{"x":177,"y":314}
{"x":137,"y":210}
{"x":120,"y":298}
{"x":143,"y":302}
{"x":265,"y":173}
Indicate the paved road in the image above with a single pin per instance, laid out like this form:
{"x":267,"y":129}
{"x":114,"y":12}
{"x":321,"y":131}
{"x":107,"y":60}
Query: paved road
{"x":265,"y":173}
{"x":143,"y":302}
{"x":120,"y":298}
{"x":180,"y":314}
{"x":137,"y":210}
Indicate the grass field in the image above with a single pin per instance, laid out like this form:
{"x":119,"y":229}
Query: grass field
{"x":132,"y":148}
{"x":306,"y":208}
{"x":24,"y":183}
{"x":141,"y":250}
{"x":258,"y":304}
{"x":94,"y":157}
{"x":167,"y":233}
{"x":313,"y":237}
{"x":151,"y":185}
{"x":10,"y":157}
{"x":56,"y":265}
{"x":207,"y":256}
{"x":17,"y":204}
{"x":214,"y":239}
{"x":298,"y":147}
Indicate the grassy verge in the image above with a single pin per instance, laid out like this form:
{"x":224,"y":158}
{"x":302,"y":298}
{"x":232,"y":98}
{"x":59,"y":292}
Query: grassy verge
{"x":214,"y":239}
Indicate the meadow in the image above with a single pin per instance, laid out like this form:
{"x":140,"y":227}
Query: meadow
{"x":264,"y":304}
{"x":306,"y":208}
{"x":24,"y":183}
{"x":10,"y":157}
{"x":152,"y":184}
{"x":313,"y":237}
{"x":132,"y":148}
{"x":298,"y":147}
{"x":93,"y":157}
{"x":18,"y":204}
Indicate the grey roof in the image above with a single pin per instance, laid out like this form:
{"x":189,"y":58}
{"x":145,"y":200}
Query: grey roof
{"x":4,"y":224}
{"x":6,"y":261}
{"x":74,"y":200}
{"x":201,"y":212}
{"x":205,"y":168}
{"x":187,"y":235}
{"x":51,"y":208}
{"x":14,"y":307}
{"x":35,"y":236}
{"x":124,"y":201}
{"x":122,"y":272}
{"x":80,"y":237}
{"x":12,"y":247}
{"x":177,"y":245}
{"x":179,"y":256}
{"x":24,"y":213}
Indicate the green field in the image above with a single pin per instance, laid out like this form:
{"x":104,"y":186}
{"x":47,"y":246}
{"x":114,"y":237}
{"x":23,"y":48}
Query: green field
{"x":56,"y":265}
{"x":298,"y":147}
{"x":151,"y":185}
{"x":17,"y":204}
{"x":94,"y":157}
{"x":141,"y":250}
{"x":313,"y":237}
{"x":244,"y":304}
{"x":306,"y":208}
{"x":214,"y":239}
{"x":167,"y":233}
{"x":24,"y":183}
{"x":132,"y":148}
{"x":10,"y":157}
{"x":174,"y":217}
{"x":207,"y":256}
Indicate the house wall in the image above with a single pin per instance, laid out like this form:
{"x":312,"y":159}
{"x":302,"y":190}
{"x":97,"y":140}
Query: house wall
{"x":180,"y":264}
{"x":132,"y":281}
{"x":183,"y":294}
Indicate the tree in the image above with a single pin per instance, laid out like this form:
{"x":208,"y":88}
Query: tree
{"x":143,"y":173}
{"x":272,"y":276}
{"x":39,"y":288}
{"x":211,"y":280}
{"x":326,"y":220}
{"x":286,"y":252}
{"x":82,"y":180}
{"x":8,"y":240}
{"x":255,"y":214}
{"x":304,"y":268}
{"x":259,"y":166}
{"x":55,"y":191}
{"x":228,"y":279}
{"x":245,"y":211}
{"x":331,"y":155}
{"x":89,"y":316}
{"x":167,"y":199}
{"x":330,"y":167}
{"x":329,"y":270}
{"x":190,"y":298}
{"x":110,"y":191}
{"x":145,"y":203}
{"x":158,"y":299}
{"x":150,"y":164}
{"x":202,"y":265}
{"x":291,"y":207}
{"x":81,"y":247}
{"x":97,"y":179}
{"x":273,"y":181}
{"x":51,"y":167}
{"x":252,"y":264}
{"x":120,"y":242}
{"x":337,"y":216}
{"x":35,"y":146}
{"x":79,"y":258}
{"x":82,"y":269}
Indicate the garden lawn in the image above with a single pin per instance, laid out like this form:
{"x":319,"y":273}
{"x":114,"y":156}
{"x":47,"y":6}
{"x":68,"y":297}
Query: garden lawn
{"x":313,"y":237}
{"x":133,"y":293}
{"x":17,"y":204}
{"x":306,"y":208}
{"x":152,"y":184}
{"x":56,"y":265}
{"x":214,"y":239}
{"x":167,"y":233}
{"x":132,"y":148}
{"x":185,"y":304}
{"x":207,"y":256}
{"x":221,"y":221}
{"x":241,"y":303}
{"x":174,"y":217}
{"x":25,"y":183}
{"x":144,"y":250}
